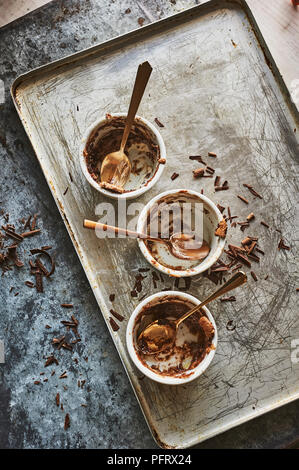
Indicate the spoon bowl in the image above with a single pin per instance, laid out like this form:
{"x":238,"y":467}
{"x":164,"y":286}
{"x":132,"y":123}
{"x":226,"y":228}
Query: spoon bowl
{"x":115,"y":168}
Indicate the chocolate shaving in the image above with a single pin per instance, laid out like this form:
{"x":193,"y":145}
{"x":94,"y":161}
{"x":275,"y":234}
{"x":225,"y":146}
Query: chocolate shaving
{"x":116,"y":315}
{"x":217,"y":181}
{"x":174,"y":176}
{"x":27,"y":223}
{"x":159,"y":122}
{"x":282,"y":245}
{"x":57,"y":399}
{"x":212,"y":154}
{"x":224,"y":187}
{"x":113,"y":324}
{"x":67,"y":305}
{"x":33,"y":223}
{"x":221,"y":208}
{"x":248,"y":186}
{"x":51,"y":360}
{"x":198,"y":158}
{"x":10,"y":233}
{"x":264,"y":224}
{"x":44,"y":252}
{"x":39,"y":281}
{"x":244,"y":259}
{"x":112,"y":297}
{"x":30,"y":233}
{"x":243,"y":199}
{"x":232,"y":298}
{"x":29,"y":284}
{"x":253,"y":275}
{"x":67,"y":421}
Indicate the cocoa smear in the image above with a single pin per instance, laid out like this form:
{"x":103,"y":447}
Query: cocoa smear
{"x":198,"y":324}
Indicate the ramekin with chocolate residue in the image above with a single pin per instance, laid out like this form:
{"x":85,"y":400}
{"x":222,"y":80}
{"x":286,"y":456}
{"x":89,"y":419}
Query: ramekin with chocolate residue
{"x":155,"y":216}
{"x":195,"y":344}
{"x":145,"y":149}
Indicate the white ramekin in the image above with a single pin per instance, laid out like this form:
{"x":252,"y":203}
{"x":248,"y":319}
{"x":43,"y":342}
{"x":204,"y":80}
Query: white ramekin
{"x":217,"y":245}
{"x":193,"y":373}
{"x":130,"y":194}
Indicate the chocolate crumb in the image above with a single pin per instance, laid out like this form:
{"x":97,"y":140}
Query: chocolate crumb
{"x":253,"y":275}
{"x":212,"y":154}
{"x":265,"y":224}
{"x":250,"y":216}
{"x":221,"y":208}
{"x":113,"y":324}
{"x":57,"y":399}
{"x":112,"y":297}
{"x":174,"y":176}
{"x":67,"y":422}
{"x":199,"y":172}
{"x":141,"y":21}
{"x":232,"y":298}
{"x":221,"y":229}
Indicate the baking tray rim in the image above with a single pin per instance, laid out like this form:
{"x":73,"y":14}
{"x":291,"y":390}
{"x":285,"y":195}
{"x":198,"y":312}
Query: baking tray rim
{"x":104,"y":47}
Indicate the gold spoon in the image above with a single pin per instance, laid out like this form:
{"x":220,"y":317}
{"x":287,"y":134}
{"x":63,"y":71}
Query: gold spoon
{"x":160,"y":335}
{"x":116,"y":166}
{"x":179,"y":243}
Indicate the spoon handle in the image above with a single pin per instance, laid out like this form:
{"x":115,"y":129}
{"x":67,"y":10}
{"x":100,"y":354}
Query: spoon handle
{"x":143,"y":74}
{"x":110,"y":228}
{"x":235,"y":281}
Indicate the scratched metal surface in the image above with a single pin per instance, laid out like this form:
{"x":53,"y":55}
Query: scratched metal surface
{"x":214,"y":90}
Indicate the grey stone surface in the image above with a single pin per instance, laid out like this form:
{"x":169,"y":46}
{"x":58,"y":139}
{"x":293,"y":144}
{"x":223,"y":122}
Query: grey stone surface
{"x":29,"y":417}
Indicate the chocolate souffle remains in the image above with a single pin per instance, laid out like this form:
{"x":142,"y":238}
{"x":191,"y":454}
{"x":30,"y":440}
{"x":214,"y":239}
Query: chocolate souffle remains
{"x":141,"y":148}
{"x":175,"y":222}
{"x":193,"y":340}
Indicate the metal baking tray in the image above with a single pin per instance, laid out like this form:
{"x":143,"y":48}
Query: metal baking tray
{"x":215,"y":88}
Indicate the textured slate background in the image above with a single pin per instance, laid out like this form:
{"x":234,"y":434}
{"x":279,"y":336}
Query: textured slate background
{"x":29,"y":416}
